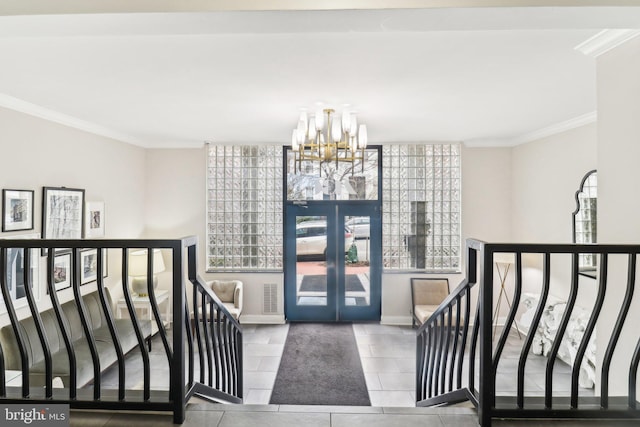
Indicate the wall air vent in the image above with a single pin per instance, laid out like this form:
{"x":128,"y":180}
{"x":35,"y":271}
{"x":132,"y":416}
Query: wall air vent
{"x":270,"y":299}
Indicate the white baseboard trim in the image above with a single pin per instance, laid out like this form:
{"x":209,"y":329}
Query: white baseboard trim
{"x":262,"y":319}
{"x":396,"y":320}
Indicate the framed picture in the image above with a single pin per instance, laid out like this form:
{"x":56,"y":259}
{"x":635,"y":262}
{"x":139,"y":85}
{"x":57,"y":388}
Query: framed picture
{"x":17,"y":210}
{"x":89,"y":265}
{"x":62,"y":271}
{"x":15,"y":263}
{"x":94,"y":220}
{"x":62,"y":213}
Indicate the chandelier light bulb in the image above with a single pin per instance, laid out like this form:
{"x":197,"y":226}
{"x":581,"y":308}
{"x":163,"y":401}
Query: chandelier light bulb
{"x":294,"y":140}
{"x":353,"y":129}
{"x":362,"y":136}
{"x":336,"y":131}
{"x":304,"y":118}
{"x":302,"y":130}
{"x":312,"y":128}
{"x":319,"y":119}
{"x":346,"y":121}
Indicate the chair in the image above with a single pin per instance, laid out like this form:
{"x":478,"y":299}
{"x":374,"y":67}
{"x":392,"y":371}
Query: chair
{"x":426,"y":296}
{"x":230,"y":293}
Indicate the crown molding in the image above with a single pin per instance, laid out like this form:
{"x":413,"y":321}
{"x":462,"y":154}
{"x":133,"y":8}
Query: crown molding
{"x":576,"y":122}
{"x":557,"y":128}
{"x":606,"y":40}
{"x":25,"y":107}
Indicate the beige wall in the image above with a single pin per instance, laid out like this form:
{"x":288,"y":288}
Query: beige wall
{"x":546,"y":175}
{"x":39,"y":153}
{"x":618,"y":177}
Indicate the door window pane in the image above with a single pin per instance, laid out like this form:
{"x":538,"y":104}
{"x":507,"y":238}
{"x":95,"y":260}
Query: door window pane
{"x":311,"y":263}
{"x":357,"y":261}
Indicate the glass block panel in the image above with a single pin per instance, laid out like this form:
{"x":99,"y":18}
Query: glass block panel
{"x":421,"y":205}
{"x":243,"y":185}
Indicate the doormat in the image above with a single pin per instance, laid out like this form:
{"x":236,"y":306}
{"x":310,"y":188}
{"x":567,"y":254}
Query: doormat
{"x":318,"y":283}
{"x":320,"y":365}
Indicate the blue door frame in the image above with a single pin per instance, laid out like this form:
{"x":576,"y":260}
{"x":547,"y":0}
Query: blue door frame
{"x":336,"y":308}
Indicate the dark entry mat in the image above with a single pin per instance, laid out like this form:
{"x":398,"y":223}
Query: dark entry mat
{"x":320,"y":365}
{"x":318,"y":283}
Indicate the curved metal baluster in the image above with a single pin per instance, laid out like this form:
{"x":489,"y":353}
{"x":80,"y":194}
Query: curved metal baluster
{"x":196,"y":326}
{"x":8,"y":302}
{"x":512,"y":314}
{"x":465,"y":333}
{"x":472,"y":350}
{"x":546,"y":271}
{"x":591,"y":324}
{"x":86,"y":326}
{"x":443,"y":371}
{"x":454,"y":350}
{"x":613,"y":342}
{"x":553,"y":353}
{"x":113,"y":332}
{"x":208,"y":324}
{"x":136,"y":326}
{"x":64,"y":328}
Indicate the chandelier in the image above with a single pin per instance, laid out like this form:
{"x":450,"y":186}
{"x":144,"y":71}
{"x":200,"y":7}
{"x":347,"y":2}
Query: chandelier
{"x":325,"y":139}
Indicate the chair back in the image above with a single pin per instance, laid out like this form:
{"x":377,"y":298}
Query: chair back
{"x":429,"y":291}
{"x":224,"y":289}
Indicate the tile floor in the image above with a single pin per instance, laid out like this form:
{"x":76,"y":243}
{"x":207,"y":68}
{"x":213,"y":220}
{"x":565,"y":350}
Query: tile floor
{"x":387,"y":354}
{"x":388,"y":359}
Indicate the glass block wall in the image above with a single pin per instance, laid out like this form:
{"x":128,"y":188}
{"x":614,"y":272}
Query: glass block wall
{"x":244,"y":208}
{"x":421,"y":207}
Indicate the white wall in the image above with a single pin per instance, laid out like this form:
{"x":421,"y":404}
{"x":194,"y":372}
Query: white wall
{"x":39,"y":153}
{"x":618,"y":177}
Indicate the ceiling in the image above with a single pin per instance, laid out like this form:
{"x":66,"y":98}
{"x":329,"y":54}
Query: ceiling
{"x":486,"y":76}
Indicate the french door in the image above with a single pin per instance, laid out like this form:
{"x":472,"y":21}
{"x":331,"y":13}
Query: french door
{"x":333,"y":261}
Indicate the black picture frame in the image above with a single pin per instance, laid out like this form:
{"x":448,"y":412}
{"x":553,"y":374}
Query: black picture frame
{"x":62,"y":214}
{"x":17,"y":210}
{"x":89,"y":265}
{"x":62,"y":271}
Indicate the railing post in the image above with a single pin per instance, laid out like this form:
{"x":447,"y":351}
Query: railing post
{"x":486,"y":395}
{"x":177,"y":371}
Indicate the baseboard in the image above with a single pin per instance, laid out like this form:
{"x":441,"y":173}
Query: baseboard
{"x":396,"y":320}
{"x":262,"y":319}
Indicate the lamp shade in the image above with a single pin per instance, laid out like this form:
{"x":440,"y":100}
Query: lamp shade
{"x":138,"y":262}
{"x":504,"y":258}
